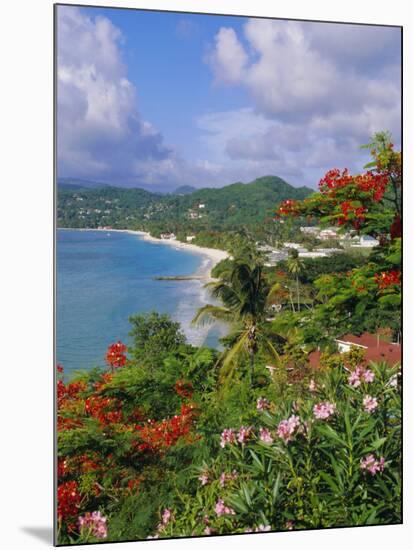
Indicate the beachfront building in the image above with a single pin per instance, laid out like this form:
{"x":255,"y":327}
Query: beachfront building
{"x":190,"y":238}
{"x":311,"y":230}
{"x":168,"y":236}
{"x":327,"y":234}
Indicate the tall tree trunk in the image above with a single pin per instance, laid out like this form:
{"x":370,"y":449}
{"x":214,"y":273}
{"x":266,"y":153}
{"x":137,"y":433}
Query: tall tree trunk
{"x":298,"y":294}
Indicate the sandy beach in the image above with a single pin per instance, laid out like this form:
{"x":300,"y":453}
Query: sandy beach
{"x":212,"y":255}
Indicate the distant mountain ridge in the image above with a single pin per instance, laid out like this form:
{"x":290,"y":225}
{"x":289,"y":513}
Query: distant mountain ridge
{"x":210,"y":209}
{"x":185,"y":190}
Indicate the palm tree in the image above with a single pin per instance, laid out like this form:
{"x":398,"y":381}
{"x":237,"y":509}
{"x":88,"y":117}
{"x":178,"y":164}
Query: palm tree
{"x":295,"y":266}
{"x":243,"y":294}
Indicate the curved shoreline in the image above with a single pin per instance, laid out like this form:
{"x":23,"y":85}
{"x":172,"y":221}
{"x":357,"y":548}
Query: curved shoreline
{"x":213,"y":255}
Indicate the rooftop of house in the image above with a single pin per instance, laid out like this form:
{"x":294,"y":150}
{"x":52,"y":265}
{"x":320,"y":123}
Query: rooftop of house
{"x":375,"y":349}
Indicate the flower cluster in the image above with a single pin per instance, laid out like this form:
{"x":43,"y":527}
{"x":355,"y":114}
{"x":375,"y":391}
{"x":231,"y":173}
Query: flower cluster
{"x":288,"y":207}
{"x":115,"y":355}
{"x":287,"y":428}
{"x":95,"y":523}
{"x":324,"y":410}
{"x":165,"y":519}
{"x":352,"y":211}
{"x":360,"y":374}
{"x":224,"y":477}
{"x":158,"y":436}
{"x":68,"y":499}
{"x":105,"y":409}
{"x":334,"y":179}
{"x":374,"y":185}
{"x":371,"y":464}
{"x":370,"y":403}
{"x":244,"y":433}
{"x":265,"y":436}
{"x":387,"y":278}
{"x":221,"y":509}
{"x":228,"y":437}
{"x":263,"y":404}
{"x":67,"y":392}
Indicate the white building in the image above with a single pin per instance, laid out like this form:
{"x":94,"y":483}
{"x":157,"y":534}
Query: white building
{"x":190,"y":238}
{"x":310,"y":230}
{"x":326,"y":234}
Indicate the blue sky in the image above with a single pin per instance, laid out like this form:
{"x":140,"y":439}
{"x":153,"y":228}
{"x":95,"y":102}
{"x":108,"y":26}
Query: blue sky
{"x":171,"y":99}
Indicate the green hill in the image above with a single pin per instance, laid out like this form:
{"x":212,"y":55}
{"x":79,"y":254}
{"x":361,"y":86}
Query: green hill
{"x":203,"y":211}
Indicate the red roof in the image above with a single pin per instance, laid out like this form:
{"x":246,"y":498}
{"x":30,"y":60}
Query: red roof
{"x":377,"y":350}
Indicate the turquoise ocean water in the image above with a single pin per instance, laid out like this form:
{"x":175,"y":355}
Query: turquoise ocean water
{"x":104,"y":277}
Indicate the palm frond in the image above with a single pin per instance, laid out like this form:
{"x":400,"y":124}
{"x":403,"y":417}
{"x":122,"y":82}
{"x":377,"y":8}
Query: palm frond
{"x":209,"y":313}
{"x":228,"y":361}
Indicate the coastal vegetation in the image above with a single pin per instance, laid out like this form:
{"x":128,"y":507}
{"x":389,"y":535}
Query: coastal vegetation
{"x":283,"y":429}
{"x":213,"y":216}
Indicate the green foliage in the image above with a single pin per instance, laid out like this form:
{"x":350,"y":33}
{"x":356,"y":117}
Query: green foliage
{"x":154,"y":337}
{"x":316,"y":479}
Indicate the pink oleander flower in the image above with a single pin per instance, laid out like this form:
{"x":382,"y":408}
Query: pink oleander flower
{"x":208,"y":531}
{"x":203,"y":478}
{"x":368,"y":375}
{"x":370,"y":403}
{"x":324,"y":410}
{"x":312,"y":386}
{"x":227,"y":437}
{"x":263,"y":404}
{"x":265,"y":435}
{"x":359,"y":375}
{"x":94,"y":522}
{"x":371,"y":464}
{"x":263,"y":528}
{"x":166,"y":518}
{"x":286,"y":428}
{"x":223,"y":478}
{"x":221,"y":509}
{"x":244,"y":433}
{"x":354,"y":378}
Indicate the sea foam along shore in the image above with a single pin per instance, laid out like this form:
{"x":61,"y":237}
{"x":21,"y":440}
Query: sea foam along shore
{"x":212,"y":255}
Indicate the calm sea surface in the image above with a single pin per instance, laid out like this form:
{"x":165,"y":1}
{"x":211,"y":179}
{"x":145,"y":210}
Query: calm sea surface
{"x":104,"y":277}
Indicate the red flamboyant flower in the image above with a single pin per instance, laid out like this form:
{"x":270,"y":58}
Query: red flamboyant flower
{"x":333,"y":180}
{"x":68,"y":499}
{"x":387,"y":278}
{"x":115,"y":356}
{"x":158,"y":436}
{"x":105,"y":409}
{"x":288,"y":208}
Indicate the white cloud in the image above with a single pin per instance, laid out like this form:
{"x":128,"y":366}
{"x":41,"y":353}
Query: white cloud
{"x":228,"y":57}
{"x":318,"y":92}
{"x":100,"y":132}
{"x":296,"y":70}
